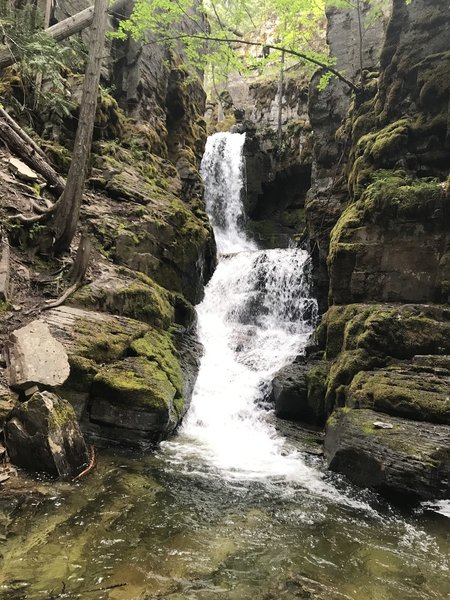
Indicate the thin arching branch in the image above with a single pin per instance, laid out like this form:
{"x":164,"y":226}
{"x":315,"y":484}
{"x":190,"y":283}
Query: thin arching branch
{"x":310,"y":59}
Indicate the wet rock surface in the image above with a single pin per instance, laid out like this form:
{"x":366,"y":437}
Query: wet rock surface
{"x":42,"y":434}
{"x":299,"y":390}
{"x":410,"y":458}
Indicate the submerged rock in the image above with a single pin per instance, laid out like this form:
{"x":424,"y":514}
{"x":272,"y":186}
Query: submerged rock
{"x":43,"y":434}
{"x":34,"y":356}
{"x":410,"y":458}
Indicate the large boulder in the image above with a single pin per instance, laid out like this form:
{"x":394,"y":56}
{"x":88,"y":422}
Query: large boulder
{"x":35,"y":357}
{"x":128,"y":382}
{"x":43,"y":434}
{"x":404,"y":457}
{"x":299,"y":391}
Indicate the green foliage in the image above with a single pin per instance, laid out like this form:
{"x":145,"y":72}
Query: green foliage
{"x":208,"y":33}
{"x":42,"y":64}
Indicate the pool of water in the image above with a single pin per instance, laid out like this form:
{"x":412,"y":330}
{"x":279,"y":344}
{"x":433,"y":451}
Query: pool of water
{"x":145,"y":527}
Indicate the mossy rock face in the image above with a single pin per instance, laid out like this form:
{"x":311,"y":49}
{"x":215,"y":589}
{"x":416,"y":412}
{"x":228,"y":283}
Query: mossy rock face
{"x":392,"y":243}
{"x":133,"y":383}
{"x":43,"y":434}
{"x":122,"y":292}
{"x":136,"y":397}
{"x":126,"y":378}
{"x":361,"y":337}
{"x":406,"y":390}
{"x":400,"y":331}
{"x":389,"y":454}
{"x":157,"y":346}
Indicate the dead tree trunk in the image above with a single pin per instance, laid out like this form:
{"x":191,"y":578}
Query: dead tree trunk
{"x":65,"y":29}
{"x":65,"y":217}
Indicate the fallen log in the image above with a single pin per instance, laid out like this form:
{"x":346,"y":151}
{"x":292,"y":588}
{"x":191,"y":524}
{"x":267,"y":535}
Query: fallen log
{"x":22,"y":145}
{"x":64,"y":29}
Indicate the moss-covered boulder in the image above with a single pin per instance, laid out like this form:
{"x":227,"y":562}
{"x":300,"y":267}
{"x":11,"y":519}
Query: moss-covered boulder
{"x":127,"y":382}
{"x":43,"y":434}
{"x":391,"y":245}
{"x":136,"y":396}
{"x":408,"y":458}
{"x":397,"y":330}
{"x":361,"y":337}
{"x":419,"y":393}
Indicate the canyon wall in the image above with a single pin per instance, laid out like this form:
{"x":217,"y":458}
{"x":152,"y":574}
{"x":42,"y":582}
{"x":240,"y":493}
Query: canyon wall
{"x":129,"y":332}
{"x":378,"y":215}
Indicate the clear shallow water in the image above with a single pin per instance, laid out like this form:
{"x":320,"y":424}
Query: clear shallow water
{"x":230,"y":509}
{"x":177,"y":531}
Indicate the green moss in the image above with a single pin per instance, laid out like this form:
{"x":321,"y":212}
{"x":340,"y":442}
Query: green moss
{"x":147,"y":302}
{"x":343,"y":324}
{"x":135,"y":383}
{"x":82,"y":373}
{"x":342,"y":371}
{"x":422,"y":395}
{"x":62,"y":415}
{"x":350,"y":219}
{"x":59,"y":156}
{"x":105,"y":340}
{"x":316,"y":384}
{"x":398,"y":195}
{"x":158,"y":346}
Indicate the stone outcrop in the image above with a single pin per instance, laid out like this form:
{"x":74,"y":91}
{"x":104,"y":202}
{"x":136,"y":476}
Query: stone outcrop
{"x":327,"y":111}
{"x":43,"y":434}
{"x":127,"y":383}
{"x":35,"y":357}
{"x":390,"y":454}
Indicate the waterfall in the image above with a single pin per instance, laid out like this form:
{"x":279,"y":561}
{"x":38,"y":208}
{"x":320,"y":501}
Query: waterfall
{"x":256,"y":317}
{"x":222,"y":170}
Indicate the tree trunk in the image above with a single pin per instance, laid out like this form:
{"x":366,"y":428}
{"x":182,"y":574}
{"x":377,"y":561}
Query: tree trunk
{"x":46,"y":8}
{"x":65,"y":29}
{"x":67,"y":213}
{"x":280,"y":99}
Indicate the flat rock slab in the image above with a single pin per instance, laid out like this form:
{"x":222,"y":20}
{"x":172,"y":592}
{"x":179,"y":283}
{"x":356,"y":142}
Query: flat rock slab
{"x":22,"y":171}
{"x":408,"y":390}
{"x":411,"y":459}
{"x":35,"y":357}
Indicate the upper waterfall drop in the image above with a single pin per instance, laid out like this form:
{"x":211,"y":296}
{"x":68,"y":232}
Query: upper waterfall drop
{"x":222,"y":170}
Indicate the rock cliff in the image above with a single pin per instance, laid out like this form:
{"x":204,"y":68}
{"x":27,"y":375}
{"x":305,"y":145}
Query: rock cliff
{"x":379,"y":222}
{"x":129,"y":333}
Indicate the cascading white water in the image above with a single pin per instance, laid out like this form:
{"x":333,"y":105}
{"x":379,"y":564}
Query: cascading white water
{"x":255,"y":318}
{"x":223,"y":174}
